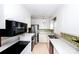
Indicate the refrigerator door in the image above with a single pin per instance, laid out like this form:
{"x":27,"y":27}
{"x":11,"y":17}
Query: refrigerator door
{"x":35,"y":29}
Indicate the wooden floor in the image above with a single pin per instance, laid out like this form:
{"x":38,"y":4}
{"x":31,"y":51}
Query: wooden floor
{"x":40,"y":48}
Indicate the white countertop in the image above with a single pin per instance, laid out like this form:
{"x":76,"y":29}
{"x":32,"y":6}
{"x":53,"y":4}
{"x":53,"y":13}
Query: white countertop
{"x":26,"y":36}
{"x":10,"y":40}
{"x":29,"y":34}
{"x":62,"y":47}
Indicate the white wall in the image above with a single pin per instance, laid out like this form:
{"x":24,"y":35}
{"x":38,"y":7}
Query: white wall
{"x":68,"y":19}
{"x":17,"y":12}
{"x":14,"y":12}
{"x":51,"y":24}
{"x":43,"y":23}
{"x":2,"y":21}
{"x":58,"y":23}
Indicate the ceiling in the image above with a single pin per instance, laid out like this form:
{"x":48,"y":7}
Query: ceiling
{"x":41,"y":10}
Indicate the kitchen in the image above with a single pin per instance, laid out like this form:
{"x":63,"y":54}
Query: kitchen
{"x":35,"y":26}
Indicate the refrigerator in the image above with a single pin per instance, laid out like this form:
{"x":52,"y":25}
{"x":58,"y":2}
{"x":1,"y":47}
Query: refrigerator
{"x":35,"y":29}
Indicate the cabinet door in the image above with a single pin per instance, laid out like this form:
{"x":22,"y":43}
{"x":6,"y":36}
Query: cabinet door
{"x":51,"y":48}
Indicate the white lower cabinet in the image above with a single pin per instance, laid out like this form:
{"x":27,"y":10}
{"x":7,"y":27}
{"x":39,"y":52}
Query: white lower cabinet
{"x":55,"y":51}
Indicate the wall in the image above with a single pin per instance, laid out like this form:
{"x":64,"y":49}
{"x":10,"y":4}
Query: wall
{"x":14,"y":12}
{"x":68,"y":19}
{"x":17,"y":12}
{"x":2,"y":21}
{"x":51,"y":24}
{"x":58,"y":23}
{"x":43,"y":23}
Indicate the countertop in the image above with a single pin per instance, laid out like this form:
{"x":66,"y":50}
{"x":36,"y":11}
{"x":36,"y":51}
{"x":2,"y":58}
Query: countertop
{"x":26,"y":36}
{"x":63,"y":47}
{"x":11,"y":41}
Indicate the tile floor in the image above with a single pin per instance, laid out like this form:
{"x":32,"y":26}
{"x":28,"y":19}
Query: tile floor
{"x":40,"y":48}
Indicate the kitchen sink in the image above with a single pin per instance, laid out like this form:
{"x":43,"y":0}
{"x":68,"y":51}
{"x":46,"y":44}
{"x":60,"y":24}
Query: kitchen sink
{"x":53,"y":36}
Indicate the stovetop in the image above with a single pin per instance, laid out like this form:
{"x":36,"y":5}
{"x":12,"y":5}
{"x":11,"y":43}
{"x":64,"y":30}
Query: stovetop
{"x":17,"y":48}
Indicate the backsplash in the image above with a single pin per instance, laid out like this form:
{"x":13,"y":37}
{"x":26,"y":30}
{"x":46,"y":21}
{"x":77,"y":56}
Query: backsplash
{"x":50,"y":31}
{"x":71,"y":38}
